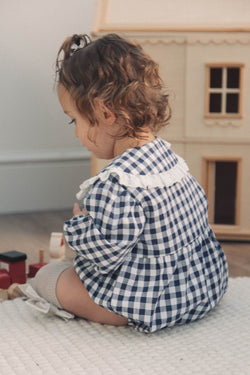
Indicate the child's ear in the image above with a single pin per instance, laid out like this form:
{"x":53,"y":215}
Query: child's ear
{"x":104,"y":113}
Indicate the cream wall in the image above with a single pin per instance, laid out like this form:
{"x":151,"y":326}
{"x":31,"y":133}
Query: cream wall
{"x":182,"y":67}
{"x":171,"y":59}
{"x":184,"y":36}
{"x":198,"y":56}
{"x":217,"y":140}
{"x":196,"y":151}
{"x":41,"y":163}
{"x":182,"y":58}
{"x":162,"y":13}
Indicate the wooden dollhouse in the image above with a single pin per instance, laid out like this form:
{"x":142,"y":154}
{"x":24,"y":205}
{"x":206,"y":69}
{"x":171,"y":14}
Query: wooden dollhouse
{"x":203,"y":50}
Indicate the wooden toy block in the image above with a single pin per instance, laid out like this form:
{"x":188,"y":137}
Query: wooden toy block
{"x":14,"y":291}
{"x":57,"y":247}
{"x":34,"y":268}
{"x":16,"y":263}
{"x":3,"y":294}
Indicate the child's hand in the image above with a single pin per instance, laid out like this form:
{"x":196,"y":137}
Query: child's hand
{"x":78,"y":211}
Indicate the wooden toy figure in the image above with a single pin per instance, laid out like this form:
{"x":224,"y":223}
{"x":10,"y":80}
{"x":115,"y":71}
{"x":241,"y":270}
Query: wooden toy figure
{"x":11,"y":293}
{"x":57,"y":247}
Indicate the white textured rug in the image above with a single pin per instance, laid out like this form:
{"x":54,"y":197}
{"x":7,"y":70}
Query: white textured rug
{"x":33,"y":343}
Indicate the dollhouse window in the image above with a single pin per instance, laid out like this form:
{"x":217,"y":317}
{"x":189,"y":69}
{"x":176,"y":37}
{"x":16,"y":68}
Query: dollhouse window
{"x":224,"y":91}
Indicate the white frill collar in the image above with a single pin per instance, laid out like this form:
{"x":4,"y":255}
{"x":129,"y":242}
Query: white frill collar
{"x":165,"y":179}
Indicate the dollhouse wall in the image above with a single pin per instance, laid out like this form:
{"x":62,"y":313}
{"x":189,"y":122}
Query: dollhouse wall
{"x":184,"y":51}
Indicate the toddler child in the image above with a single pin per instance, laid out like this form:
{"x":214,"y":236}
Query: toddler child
{"x":145,"y":253}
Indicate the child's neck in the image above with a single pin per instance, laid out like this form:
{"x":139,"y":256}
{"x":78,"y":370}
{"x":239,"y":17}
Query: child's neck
{"x":123,"y":144}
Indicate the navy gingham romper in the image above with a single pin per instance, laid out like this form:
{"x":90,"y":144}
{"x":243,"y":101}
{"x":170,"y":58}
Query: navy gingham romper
{"x":145,"y":249}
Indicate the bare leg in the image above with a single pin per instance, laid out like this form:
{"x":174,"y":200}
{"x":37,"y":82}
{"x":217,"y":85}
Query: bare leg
{"x":74,"y":297}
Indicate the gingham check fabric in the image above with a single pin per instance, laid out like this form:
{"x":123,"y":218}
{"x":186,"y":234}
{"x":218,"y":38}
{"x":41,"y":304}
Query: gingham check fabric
{"x":145,"y":249}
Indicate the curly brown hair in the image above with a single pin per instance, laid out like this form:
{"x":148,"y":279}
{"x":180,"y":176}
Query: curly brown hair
{"x":118,"y":72}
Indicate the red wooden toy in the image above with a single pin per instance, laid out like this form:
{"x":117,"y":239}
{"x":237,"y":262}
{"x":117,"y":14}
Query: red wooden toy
{"x":34,"y":268}
{"x":16,"y":272}
{"x":5,"y":279}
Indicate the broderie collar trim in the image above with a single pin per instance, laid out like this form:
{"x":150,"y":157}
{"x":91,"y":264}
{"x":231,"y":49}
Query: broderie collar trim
{"x":165,"y":179}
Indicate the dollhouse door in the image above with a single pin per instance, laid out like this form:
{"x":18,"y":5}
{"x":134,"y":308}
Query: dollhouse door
{"x":222,"y":186}
{"x":225,"y":193}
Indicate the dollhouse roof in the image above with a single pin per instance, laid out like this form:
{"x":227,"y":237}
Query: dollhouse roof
{"x":172,"y":15}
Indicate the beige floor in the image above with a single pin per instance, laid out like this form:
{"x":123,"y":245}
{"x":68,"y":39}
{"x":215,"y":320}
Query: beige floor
{"x":238,"y":256}
{"x":29,"y":233}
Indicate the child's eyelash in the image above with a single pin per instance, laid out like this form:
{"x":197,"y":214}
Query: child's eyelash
{"x":72,"y":122}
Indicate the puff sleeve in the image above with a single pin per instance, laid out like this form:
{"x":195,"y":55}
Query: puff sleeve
{"x":111,"y":229}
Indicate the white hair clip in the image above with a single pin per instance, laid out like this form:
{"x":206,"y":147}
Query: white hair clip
{"x":81,"y":42}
